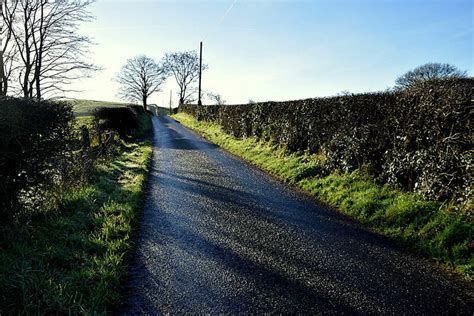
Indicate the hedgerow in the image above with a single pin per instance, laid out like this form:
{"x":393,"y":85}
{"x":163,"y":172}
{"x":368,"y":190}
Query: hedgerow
{"x":34,"y":140}
{"x":68,"y":205}
{"x":419,"y":139}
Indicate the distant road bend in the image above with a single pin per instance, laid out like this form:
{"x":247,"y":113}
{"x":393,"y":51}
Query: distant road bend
{"x":220,"y":236}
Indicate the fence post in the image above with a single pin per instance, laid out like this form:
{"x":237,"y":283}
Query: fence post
{"x":86,"y":141}
{"x":99,"y":134}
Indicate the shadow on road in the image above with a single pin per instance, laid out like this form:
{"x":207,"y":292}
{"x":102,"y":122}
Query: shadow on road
{"x":218,"y":236}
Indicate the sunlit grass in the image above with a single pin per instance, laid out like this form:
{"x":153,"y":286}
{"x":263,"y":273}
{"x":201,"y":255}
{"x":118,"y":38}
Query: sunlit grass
{"x":71,"y":259}
{"x":440,"y":231}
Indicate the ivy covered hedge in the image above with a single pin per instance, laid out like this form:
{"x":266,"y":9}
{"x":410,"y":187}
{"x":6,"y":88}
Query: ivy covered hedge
{"x":419,"y":139}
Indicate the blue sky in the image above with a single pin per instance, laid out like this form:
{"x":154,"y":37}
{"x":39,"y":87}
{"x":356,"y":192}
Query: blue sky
{"x":281,"y":50}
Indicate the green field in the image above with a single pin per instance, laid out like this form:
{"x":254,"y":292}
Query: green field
{"x":86,"y":107}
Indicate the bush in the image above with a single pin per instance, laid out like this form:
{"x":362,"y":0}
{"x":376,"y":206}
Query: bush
{"x":431,"y":150}
{"x":131,"y":121}
{"x":34,"y":139}
{"x":121,"y":120}
{"x":418,"y":138}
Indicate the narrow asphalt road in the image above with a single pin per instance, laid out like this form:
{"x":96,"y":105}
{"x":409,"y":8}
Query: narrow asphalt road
{"x":220,"y":236}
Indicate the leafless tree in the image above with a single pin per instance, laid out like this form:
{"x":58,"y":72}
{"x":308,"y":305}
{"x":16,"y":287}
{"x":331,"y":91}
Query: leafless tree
{"x":50,"y":50}
{"x":184,"y":66}
{"x":2,"y":62}
{"x":9,"y":51}
{"x":216,"y":98}
{"x":427,"y":72}
{"x":139,"y":78}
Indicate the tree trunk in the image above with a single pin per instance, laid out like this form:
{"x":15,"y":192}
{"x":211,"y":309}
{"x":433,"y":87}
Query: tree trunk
{"x":39,"y":53}
{"x":5,"y":87}
{"x":26,"y":82}
{"x":26,"y":92}
{"x":37,"y":78}
{"x":145,"y":104}
{"x":2,"y":67}
{"x":2,"y":73}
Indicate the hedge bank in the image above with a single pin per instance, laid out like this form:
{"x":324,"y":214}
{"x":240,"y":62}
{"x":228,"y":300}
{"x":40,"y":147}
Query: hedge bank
{"x":66,"y":254}
{"x":35,"y":137}
{"x":419,"y":139}
{"x":435,"y":229}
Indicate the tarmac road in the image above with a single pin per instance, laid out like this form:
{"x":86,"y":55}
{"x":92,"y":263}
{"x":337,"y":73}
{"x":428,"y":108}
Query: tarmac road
{"x":220,"y":236}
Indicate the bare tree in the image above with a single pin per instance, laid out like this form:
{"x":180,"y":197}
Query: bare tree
{"x":184,"y":66}
{"x":2,"y":69}
{"x":427,"y":72}
{"x":51,"y":52}
{"x":22,"y":29}
{"x":216,"y":98}
{"x":9,"y":51}
{"x":139,"y":78}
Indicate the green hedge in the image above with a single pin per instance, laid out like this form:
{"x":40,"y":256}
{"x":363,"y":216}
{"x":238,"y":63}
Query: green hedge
{"x":34,"y":138}
{"x":419,"y":139}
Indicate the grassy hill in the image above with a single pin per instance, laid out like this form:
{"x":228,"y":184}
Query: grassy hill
{"x":85,"y":107}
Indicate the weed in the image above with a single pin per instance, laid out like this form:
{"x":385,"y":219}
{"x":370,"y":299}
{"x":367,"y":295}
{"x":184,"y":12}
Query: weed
{"x":71,"y":259}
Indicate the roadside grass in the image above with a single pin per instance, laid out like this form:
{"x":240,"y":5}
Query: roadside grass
{"x":72,"y":259}
{"x":441,"y":231}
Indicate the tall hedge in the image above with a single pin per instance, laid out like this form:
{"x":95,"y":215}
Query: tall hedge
{"x":419,"y":139}
{"x":121,"y":120}
{"x":34,"y":137}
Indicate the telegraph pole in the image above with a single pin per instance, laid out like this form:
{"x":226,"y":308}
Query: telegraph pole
{"x":171,"y":94}
{"x":200,"y":73}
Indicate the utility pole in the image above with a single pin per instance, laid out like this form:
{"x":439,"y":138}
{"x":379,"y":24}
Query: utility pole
{"x":200,"y":73}
{"x":171,"y":95}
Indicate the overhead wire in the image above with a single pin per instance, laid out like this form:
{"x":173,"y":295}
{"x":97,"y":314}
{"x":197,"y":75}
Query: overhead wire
{"x":226,"y":13}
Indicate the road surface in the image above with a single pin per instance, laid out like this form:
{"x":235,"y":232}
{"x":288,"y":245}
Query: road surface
{"x":220,"y":236}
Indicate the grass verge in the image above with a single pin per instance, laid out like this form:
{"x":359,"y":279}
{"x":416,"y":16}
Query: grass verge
{"x":71,"y":260}
{"x":441,"y":231}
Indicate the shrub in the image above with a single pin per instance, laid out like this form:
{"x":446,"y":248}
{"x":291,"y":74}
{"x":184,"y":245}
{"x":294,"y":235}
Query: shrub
{"x":131,"y":121}
{"x":418,"y":138}
{"x":121,"y":120}
{"x":431,"y":130}
{"x":34,"y":140}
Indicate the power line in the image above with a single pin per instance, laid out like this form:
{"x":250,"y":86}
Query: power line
{"x":221,"y":19}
